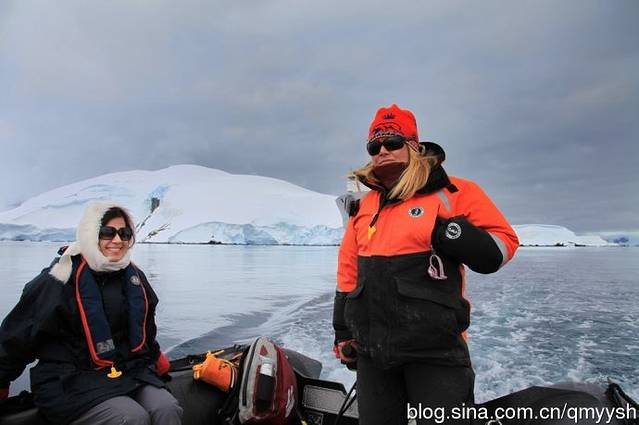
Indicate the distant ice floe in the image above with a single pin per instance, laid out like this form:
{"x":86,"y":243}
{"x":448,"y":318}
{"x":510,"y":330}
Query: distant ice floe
{"x":549,"y":235}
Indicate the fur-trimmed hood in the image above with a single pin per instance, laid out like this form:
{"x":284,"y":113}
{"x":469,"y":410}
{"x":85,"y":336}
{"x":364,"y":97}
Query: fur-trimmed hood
{"x":87,"y":244}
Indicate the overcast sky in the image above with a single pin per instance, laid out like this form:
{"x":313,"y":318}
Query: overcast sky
{"x":537,"y":101}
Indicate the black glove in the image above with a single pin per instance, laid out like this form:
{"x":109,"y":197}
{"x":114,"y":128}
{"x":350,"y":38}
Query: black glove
{"x":346,"y":351}
{"x":459,"y":239}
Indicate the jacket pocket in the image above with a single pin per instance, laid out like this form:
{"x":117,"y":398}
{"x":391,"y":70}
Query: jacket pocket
{"x":425,"y":315}
{"x":425,"y":289}
{"x":356,"y":313}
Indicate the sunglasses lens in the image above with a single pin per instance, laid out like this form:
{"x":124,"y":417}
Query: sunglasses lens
{"x":125,"y":233}
{"x":373,"y":148}
{"x":107,"y":232}
{"x":393,"y":143}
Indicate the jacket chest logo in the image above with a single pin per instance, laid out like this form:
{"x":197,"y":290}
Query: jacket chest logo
{"x":415,"y":212}
{"x":135,"y":280}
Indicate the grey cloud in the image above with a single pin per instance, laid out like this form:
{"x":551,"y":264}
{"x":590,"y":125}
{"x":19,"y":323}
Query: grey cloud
{"x":537,"y":101}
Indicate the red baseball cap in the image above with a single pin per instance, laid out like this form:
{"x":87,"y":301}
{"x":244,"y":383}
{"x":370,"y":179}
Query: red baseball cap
{"x":393,"y":121}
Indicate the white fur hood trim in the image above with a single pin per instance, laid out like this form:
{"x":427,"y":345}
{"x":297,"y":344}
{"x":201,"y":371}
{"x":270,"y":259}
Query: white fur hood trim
{"x":86,"y":243}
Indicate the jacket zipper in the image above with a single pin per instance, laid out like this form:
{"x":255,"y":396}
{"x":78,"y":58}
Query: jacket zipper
{"x":383,"y":201}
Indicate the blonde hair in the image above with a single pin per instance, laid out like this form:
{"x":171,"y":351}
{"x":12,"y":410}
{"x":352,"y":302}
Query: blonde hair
{"x":413,"y":178}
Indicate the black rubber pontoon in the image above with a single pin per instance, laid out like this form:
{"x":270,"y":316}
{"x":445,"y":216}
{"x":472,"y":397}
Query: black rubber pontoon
{"x":322,"y":401}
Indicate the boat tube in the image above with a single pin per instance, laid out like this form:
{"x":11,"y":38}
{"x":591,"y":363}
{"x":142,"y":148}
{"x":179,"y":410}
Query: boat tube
{"x":321,"y":402}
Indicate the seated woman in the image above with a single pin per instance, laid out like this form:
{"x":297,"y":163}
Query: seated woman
{"x":89,"y":320}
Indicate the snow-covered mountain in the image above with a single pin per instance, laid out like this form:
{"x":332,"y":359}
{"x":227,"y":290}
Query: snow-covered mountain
{"x":549,"y":235}
{"x":186,"y":203}
{"x":193,"y":204}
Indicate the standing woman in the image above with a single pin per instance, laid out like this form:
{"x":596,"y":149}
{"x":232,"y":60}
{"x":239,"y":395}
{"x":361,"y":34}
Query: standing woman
{"x":400,"y":280}
{"x":89,"y":320}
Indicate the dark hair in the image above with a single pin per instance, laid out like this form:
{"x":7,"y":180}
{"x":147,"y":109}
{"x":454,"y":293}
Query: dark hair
{"x":117,"y":212}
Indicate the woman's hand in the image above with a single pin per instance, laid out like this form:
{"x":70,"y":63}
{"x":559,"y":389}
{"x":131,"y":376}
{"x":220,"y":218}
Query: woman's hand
{"x":346,"y":351}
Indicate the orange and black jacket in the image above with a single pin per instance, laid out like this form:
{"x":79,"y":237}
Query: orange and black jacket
{"x":386,"y":300}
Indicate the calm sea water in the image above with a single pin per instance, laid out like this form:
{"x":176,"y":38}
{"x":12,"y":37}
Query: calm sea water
{"x":551,"y":315}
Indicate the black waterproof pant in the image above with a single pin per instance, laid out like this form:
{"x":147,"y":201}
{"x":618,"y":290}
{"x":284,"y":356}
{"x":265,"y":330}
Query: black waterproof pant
{"x":428,"y":393}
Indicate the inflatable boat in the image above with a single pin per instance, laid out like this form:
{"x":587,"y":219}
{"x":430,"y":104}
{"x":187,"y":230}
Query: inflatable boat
{"x":322,"y":402}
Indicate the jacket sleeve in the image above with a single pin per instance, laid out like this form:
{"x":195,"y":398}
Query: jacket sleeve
{"x":346,"y":280}
{"x":19,"y":330}
{"x":478,"y":234}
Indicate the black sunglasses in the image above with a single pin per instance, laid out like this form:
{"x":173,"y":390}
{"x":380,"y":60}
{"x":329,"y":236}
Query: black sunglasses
{"x":391,"y":143}
{"x":109,"y":232}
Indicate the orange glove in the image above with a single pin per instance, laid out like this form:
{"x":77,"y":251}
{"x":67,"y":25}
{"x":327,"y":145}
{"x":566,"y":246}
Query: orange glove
{"x":4,"y":393}
{"x":162,"y":364}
